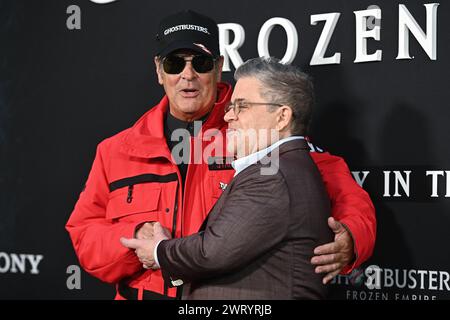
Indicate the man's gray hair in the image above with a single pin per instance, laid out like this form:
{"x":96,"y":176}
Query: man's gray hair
{"x":283,"y":84}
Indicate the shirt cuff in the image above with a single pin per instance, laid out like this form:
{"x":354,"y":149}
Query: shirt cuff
{"x":155,"y":254}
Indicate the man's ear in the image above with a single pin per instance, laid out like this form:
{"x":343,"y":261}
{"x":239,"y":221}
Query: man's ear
{"x":158,"y":70}
{"x":284,"y":118}
{"x":219,"y":68}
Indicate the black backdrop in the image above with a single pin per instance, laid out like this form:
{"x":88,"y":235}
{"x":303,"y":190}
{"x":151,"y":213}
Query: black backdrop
{"x":62,"y":91}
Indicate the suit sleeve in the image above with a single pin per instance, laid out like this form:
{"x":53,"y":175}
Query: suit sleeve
{"x":96,"y":239}
{"x":253,"y":221}
{"x":350,"y":205}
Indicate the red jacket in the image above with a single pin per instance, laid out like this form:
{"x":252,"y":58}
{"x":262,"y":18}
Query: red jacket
{"x":134,"y":180}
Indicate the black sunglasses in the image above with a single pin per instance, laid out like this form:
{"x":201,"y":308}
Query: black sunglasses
{"x":173,"y":64}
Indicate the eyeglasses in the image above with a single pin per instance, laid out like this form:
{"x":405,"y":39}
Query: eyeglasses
{"x":173,"y":64}
{"x":238,"y":105}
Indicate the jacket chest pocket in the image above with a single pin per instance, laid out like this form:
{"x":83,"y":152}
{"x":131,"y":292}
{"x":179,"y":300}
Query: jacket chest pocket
{"x":218,"y":182}
{"x":220,"y":173}
{"x":134,"y":203}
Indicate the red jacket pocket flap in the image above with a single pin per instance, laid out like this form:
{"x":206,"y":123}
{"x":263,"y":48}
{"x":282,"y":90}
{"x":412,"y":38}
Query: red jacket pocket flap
{"x":141,"y":199}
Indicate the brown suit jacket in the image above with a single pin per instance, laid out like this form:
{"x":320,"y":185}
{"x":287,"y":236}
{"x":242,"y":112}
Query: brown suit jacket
{"x":259,"y":238}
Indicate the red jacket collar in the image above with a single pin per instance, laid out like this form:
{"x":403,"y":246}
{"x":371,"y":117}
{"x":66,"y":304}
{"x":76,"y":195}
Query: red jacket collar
{"x":146,"y":138}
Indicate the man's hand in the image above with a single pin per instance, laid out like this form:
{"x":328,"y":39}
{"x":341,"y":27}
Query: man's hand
{"x":143,"y":249}
{"x":145,"y":231}
{"x":145,"y":246}
{"x":330,"y":258}
{"x":160,"y":233}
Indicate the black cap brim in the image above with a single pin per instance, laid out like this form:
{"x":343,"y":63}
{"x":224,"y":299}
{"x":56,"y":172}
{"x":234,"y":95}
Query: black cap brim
{"x":185,"y":44}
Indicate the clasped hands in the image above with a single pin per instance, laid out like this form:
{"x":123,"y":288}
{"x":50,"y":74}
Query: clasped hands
{"x":146,"y":238}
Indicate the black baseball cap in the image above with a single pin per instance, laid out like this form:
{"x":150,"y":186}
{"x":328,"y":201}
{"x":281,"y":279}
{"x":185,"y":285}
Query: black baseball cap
{"x":188,"y":30}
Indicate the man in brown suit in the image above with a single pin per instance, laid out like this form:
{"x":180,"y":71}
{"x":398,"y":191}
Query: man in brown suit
{"x":258,"y":240}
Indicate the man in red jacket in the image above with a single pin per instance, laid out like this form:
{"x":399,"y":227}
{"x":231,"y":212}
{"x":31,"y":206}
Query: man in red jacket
{"x":146,"y":174}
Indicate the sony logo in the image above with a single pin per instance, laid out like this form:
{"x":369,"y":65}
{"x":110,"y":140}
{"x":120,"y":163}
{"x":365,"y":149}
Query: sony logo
{"x":23,"y":263}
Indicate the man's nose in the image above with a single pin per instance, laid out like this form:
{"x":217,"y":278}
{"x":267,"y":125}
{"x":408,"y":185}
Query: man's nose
{"x":188,"y":72}
{"x":229,"y":115}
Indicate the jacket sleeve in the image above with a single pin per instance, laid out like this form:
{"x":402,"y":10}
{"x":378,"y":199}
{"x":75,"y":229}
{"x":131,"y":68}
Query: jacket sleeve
{"x":253,"y":221}
{"x":96,"y":239}
{"x":350,"y":205}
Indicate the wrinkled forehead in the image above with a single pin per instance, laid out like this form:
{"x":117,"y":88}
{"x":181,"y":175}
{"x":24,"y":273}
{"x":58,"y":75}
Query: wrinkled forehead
{"x":247,"y":89}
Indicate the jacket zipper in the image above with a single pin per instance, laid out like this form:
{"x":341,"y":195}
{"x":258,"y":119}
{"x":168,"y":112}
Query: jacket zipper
{"x":175,"y":213}
{"x":174,"y":228}
{"x":175,"y":209}
{"x":130,"y":193}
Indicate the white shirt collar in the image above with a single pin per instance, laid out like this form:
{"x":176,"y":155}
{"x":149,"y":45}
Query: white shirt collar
{"x":242,"y":163}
